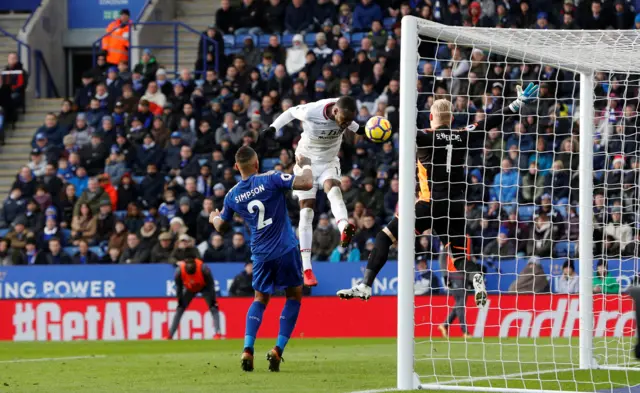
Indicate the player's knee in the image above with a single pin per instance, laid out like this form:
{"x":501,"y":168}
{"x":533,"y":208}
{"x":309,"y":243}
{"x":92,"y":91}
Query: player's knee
{"x":261,"y":297}
{"x":307,"y":204}
{"x":332,"y":188}
{"x":383,"y":239}
{"x":306,"y":217}
{"x":294,"y":293}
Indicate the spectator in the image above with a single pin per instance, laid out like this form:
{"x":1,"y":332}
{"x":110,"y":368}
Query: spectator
{"x":115,"y":166}
{"x":345,"y":18}
{"x":33,"y":216}
{"x":54,"y":255}
{"x":82,"y":131}
{"x":149,"y":233}
{"x":203,"y":228}
{"x":29,"y":255}
{"x":105,"y":223}
{"x":185,"y":248}
{"x":92,"y":196}
{"x":618,"y":235}
{"x":134,"y":218}
{"x":6,"y":253}
{"x":505,"y":184}
{"x":239,"y":251}
{"x":532,"y":184}
{"x":85,"y":256}
{"x":369,"y":230}
{"x":84,"y":224}
{"x":596,"y":20}
{"x":541,"y":245}
{"x":372,"y":197}
{"x":325,"y":239}
{"x":155,"y":98}
{"x":134,"y":252}
{"x":13,"y":206}
{"x":148,"y":153}
{"x":19,"y":234}
{"x":152,"y":186}
{"x":532,"y":279}
{"x":425,"y":281}
{"x":502,"y":247}
{"x":187,"y":215}
{"x":241,"y":285}
{"x":161,"y":251}
{"x":603,"y":282}
{"x":298,"y":18}
{"x":119,"y":236}
{"x":127,"y":192}
{"x":296,"y":55}
{"x":17,"y":82}
{"x":216,"y":251}
{"x":569,"y":281}
{"x":364,"y":15}
{"x":226,"y":19}
{"x":112,"y":256}
{"x":52,"y":130}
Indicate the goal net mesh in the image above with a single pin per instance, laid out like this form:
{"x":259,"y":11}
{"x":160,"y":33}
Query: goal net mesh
{"x":522,"y":213}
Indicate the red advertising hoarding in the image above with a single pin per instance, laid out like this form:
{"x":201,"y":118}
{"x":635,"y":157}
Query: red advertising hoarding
{"x":137,"y":319}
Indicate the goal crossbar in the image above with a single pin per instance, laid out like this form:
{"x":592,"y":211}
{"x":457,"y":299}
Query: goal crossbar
{"x":572,"y":50}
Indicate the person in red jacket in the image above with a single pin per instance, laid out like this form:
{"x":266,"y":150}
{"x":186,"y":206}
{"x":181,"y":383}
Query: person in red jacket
{"x":192,"y":277}
{"x":105,"y":183}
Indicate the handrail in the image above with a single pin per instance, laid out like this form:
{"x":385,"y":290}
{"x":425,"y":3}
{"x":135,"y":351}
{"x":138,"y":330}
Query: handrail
{"x":20,"y":45}
{"x":144,"y":8}
{"x":176,"y":25}
{"x":26,"y":22}
{"x":52,"y":90}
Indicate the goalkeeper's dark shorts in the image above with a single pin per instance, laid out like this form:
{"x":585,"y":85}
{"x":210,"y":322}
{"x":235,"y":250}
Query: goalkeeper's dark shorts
{"x":446,"y":219}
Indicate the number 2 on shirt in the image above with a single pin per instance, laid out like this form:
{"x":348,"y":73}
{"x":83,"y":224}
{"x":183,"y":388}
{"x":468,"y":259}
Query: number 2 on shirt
{"x":449,"y":156}
{"x":261,"y":221}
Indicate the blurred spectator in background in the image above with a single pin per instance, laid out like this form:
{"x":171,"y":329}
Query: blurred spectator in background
{"x":569,"y":281}
{"x":134,"y":252}
{"x":325,"y":239}
{"x":298,"y":18}
{"x":603,"y":282}
{"x":531,"y":279}
{"x":216,"y":251}
{"x":85,"y":256}
{"x":241,"y":285}
{"x":161,"y":251}
{"x":55,"y":255}
{"x":426,"y":282}
{"x":503,"y":246}
{"x":239,"y":251}
{"x":116,"y":42}
{"x":15,"y":79}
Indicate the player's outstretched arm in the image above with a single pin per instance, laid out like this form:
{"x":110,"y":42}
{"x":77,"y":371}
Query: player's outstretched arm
{"x":495,"y":119}
{"x":303,"y":182}
{"x":296,"y":112}
{"x":221,"y":225}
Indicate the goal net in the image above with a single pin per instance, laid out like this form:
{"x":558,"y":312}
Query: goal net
{"x":551,"y":209}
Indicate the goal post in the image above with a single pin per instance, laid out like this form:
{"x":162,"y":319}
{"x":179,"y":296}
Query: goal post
{"x":469,"y":365}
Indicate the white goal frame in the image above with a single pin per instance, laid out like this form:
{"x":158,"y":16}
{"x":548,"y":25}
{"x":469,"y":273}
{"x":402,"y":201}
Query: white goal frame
{"x":576,"y":51}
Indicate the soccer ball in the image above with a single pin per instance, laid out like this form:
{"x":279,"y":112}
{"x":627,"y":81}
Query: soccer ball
{"x":378,"y":129}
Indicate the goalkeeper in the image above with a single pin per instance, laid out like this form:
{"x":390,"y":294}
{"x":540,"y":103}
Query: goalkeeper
{"x":442,"y":153}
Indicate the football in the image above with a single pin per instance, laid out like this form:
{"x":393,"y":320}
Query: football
{"x":378,"y":129}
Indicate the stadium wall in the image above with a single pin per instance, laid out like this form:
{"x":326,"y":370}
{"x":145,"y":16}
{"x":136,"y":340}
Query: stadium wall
{"x":143,"y":319}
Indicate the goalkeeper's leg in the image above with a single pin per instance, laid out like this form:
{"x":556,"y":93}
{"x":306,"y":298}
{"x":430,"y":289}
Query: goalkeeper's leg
{"x":378,"y":257}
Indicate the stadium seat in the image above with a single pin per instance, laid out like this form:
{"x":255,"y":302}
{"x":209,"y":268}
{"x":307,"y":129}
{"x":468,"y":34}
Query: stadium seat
{"x":120,"y":214}
{"x":263,"y":40}
{"x":287,"y":40}
{"x":70,"y":251}
{"x":388,"y":22}
{"x":310,"y":38}
{"x":3,"y":232}
{"x":137,"y":179}
{"x":229,"y":40}
{"x":66,"y":236}
{"x":525,"y":212}
{"x":98,"y":251}
{"x":268,"y":163}
{"x":357,"y":37}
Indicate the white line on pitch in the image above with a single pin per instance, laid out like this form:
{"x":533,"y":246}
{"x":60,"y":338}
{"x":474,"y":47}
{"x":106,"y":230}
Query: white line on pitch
{"x":52,"y":359}
{"x":507,"y":376}
{"x":377,"y":390}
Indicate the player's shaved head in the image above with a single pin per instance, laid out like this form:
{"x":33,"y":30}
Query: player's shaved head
{"x":246,"y":160}
{"x":345,"y":110}
{"x":441,"y":112}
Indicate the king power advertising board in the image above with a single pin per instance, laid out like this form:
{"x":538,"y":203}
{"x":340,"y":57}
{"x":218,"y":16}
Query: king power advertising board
{"x":148,"y":318}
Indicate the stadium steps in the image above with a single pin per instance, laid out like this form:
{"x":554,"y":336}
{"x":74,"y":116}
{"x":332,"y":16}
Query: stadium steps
{"x":198,"y":14}
{"x":15,"y":152}
{"x":12,"y":23}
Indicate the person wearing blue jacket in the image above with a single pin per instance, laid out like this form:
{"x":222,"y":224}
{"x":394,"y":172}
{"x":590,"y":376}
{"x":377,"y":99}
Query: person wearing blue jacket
{"x":51,"y":130}
{"x":298,"y":18}
{"x":505,"y":184}
{"x":364,"y":15}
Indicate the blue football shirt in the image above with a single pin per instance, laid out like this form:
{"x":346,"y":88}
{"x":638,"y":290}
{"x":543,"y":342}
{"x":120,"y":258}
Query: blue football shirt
{"x":260,"y":200}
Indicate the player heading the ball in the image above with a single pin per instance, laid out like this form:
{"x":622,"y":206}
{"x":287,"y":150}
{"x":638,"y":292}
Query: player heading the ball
{"x":260,"y":199}
{"x":323,"y":124}
{"x":441,"y":158}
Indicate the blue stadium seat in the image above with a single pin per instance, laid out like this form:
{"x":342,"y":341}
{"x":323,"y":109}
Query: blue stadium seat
{"x":137,"y":179}
{"x":66,"y":236}
{"x":287,"y":40}
{"x":268,"y":163}
{"x":70,"y":251}
{"x":310,"y":38}
{"x":562,"y":209}
{"x":263,"y":40}
{"x":347,"y":36}
{"x":120,"y":214}
{"x":562,"y":249}
{"x":388,"y":22}
{"x":3,"y":232}
{"x":98,"y":251}
{"x":525,"y":212}
{"x":357,"y":37}
{"x":229,"y":40}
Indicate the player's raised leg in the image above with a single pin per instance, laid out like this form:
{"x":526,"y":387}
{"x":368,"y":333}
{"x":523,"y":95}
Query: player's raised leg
{"x":305,"y":231}
{"x":338,"y":208}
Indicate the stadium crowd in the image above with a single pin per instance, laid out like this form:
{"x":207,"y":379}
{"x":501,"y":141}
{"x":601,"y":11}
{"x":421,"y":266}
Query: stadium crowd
{"x":129,"y":170}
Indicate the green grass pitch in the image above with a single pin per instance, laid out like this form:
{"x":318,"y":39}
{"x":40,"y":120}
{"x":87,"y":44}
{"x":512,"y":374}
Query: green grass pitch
{"x":311,"y":365}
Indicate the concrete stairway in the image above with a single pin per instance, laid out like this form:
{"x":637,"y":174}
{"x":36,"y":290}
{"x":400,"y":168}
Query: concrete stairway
{"x":195,"y":13}
{"x":15,"y":152}
{"x":18,"y":142}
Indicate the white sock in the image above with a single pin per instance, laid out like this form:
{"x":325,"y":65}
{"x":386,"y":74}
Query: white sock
{"x":338,"y":208}
{"x":305,"y":229}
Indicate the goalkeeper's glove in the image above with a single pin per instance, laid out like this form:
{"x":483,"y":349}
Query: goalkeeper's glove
{"x":529,"y":95}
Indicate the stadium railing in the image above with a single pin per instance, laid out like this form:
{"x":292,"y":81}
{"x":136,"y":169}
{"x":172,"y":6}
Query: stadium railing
{"x":97,"y":45}
{"x":41,"y":64}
